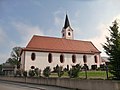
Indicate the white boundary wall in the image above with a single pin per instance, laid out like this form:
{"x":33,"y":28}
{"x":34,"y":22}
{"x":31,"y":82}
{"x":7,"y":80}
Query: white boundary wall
{"x":69,"y":83}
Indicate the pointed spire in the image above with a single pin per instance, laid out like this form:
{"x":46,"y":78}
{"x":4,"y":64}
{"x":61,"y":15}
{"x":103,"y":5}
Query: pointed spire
{"x":66,"y":22}
{"x":67,"y":31}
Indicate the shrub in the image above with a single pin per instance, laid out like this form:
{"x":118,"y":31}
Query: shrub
{"x":85,"y":67}
{"x":102,"y":67}
{"x":1,"y":73}
{"x":74,"y":71}
{"x":47,"y":71}
{"x":36,"y":71}
{"x":65,"y":70}
{"x":55,"y":69}
{"x":60,"y":72}
{"x":94,"y":67}
{"x":40,"y":72}
{"x":18,"y":72}
{"x":31,"y":73}
{"x":25,"y":73}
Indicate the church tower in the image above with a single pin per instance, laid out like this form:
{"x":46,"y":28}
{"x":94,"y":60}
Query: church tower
{"x":67,"y":31}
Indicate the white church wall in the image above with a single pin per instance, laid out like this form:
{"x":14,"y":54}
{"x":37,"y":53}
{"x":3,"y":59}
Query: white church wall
{"x":79,"y":59}
{"x":41,"y":60}
{"x":90,"y":60}
{"x":22,"y":59}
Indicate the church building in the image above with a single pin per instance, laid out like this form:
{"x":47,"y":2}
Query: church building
{"x":43,"y":51}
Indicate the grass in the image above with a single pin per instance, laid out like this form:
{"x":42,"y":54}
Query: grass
{"x":94,"y":74}
{"x":90,"y":75}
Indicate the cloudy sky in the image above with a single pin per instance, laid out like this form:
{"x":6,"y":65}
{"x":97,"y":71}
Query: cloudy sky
{"x":21,"y":19}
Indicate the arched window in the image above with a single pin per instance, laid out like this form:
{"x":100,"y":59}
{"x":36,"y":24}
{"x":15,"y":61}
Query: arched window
{"x":50,"y":58}
{"x":32,"y":67}
{"x":74,"y":58}
{"x":96,"y":60}
{"x":62,"y":58}
{"x":69,"y":33}
{"x":85,"y":59}
{"x":33,"y":56}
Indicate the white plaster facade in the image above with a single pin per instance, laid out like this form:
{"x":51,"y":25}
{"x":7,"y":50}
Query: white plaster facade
{"x":67,"y":33}
{"x":41,"y":60}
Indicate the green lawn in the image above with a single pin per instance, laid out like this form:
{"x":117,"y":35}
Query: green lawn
{"x":90,"y":75}
{"x":94,"y":74}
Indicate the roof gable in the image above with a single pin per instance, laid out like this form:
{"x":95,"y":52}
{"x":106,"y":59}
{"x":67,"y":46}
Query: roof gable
{"x":42,"y":43}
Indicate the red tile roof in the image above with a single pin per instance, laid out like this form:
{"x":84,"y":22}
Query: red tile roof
{"x":52,"y":44}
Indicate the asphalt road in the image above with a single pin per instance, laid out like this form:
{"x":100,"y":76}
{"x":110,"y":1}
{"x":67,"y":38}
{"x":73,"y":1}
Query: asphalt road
{"x":4,"y":85}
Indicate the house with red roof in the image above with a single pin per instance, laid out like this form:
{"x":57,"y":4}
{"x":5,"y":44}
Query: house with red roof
{"x":43,"y":51}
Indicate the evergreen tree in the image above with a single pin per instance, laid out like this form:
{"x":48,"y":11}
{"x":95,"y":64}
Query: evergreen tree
{"x":112,"y":49}
{"x":74,"y":71}
{"x":31,"y":73}
{"x":60,"y":71}
{"x":47,"y":71}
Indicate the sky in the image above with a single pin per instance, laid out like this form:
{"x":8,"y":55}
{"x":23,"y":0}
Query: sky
{"x":21,"y":19}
